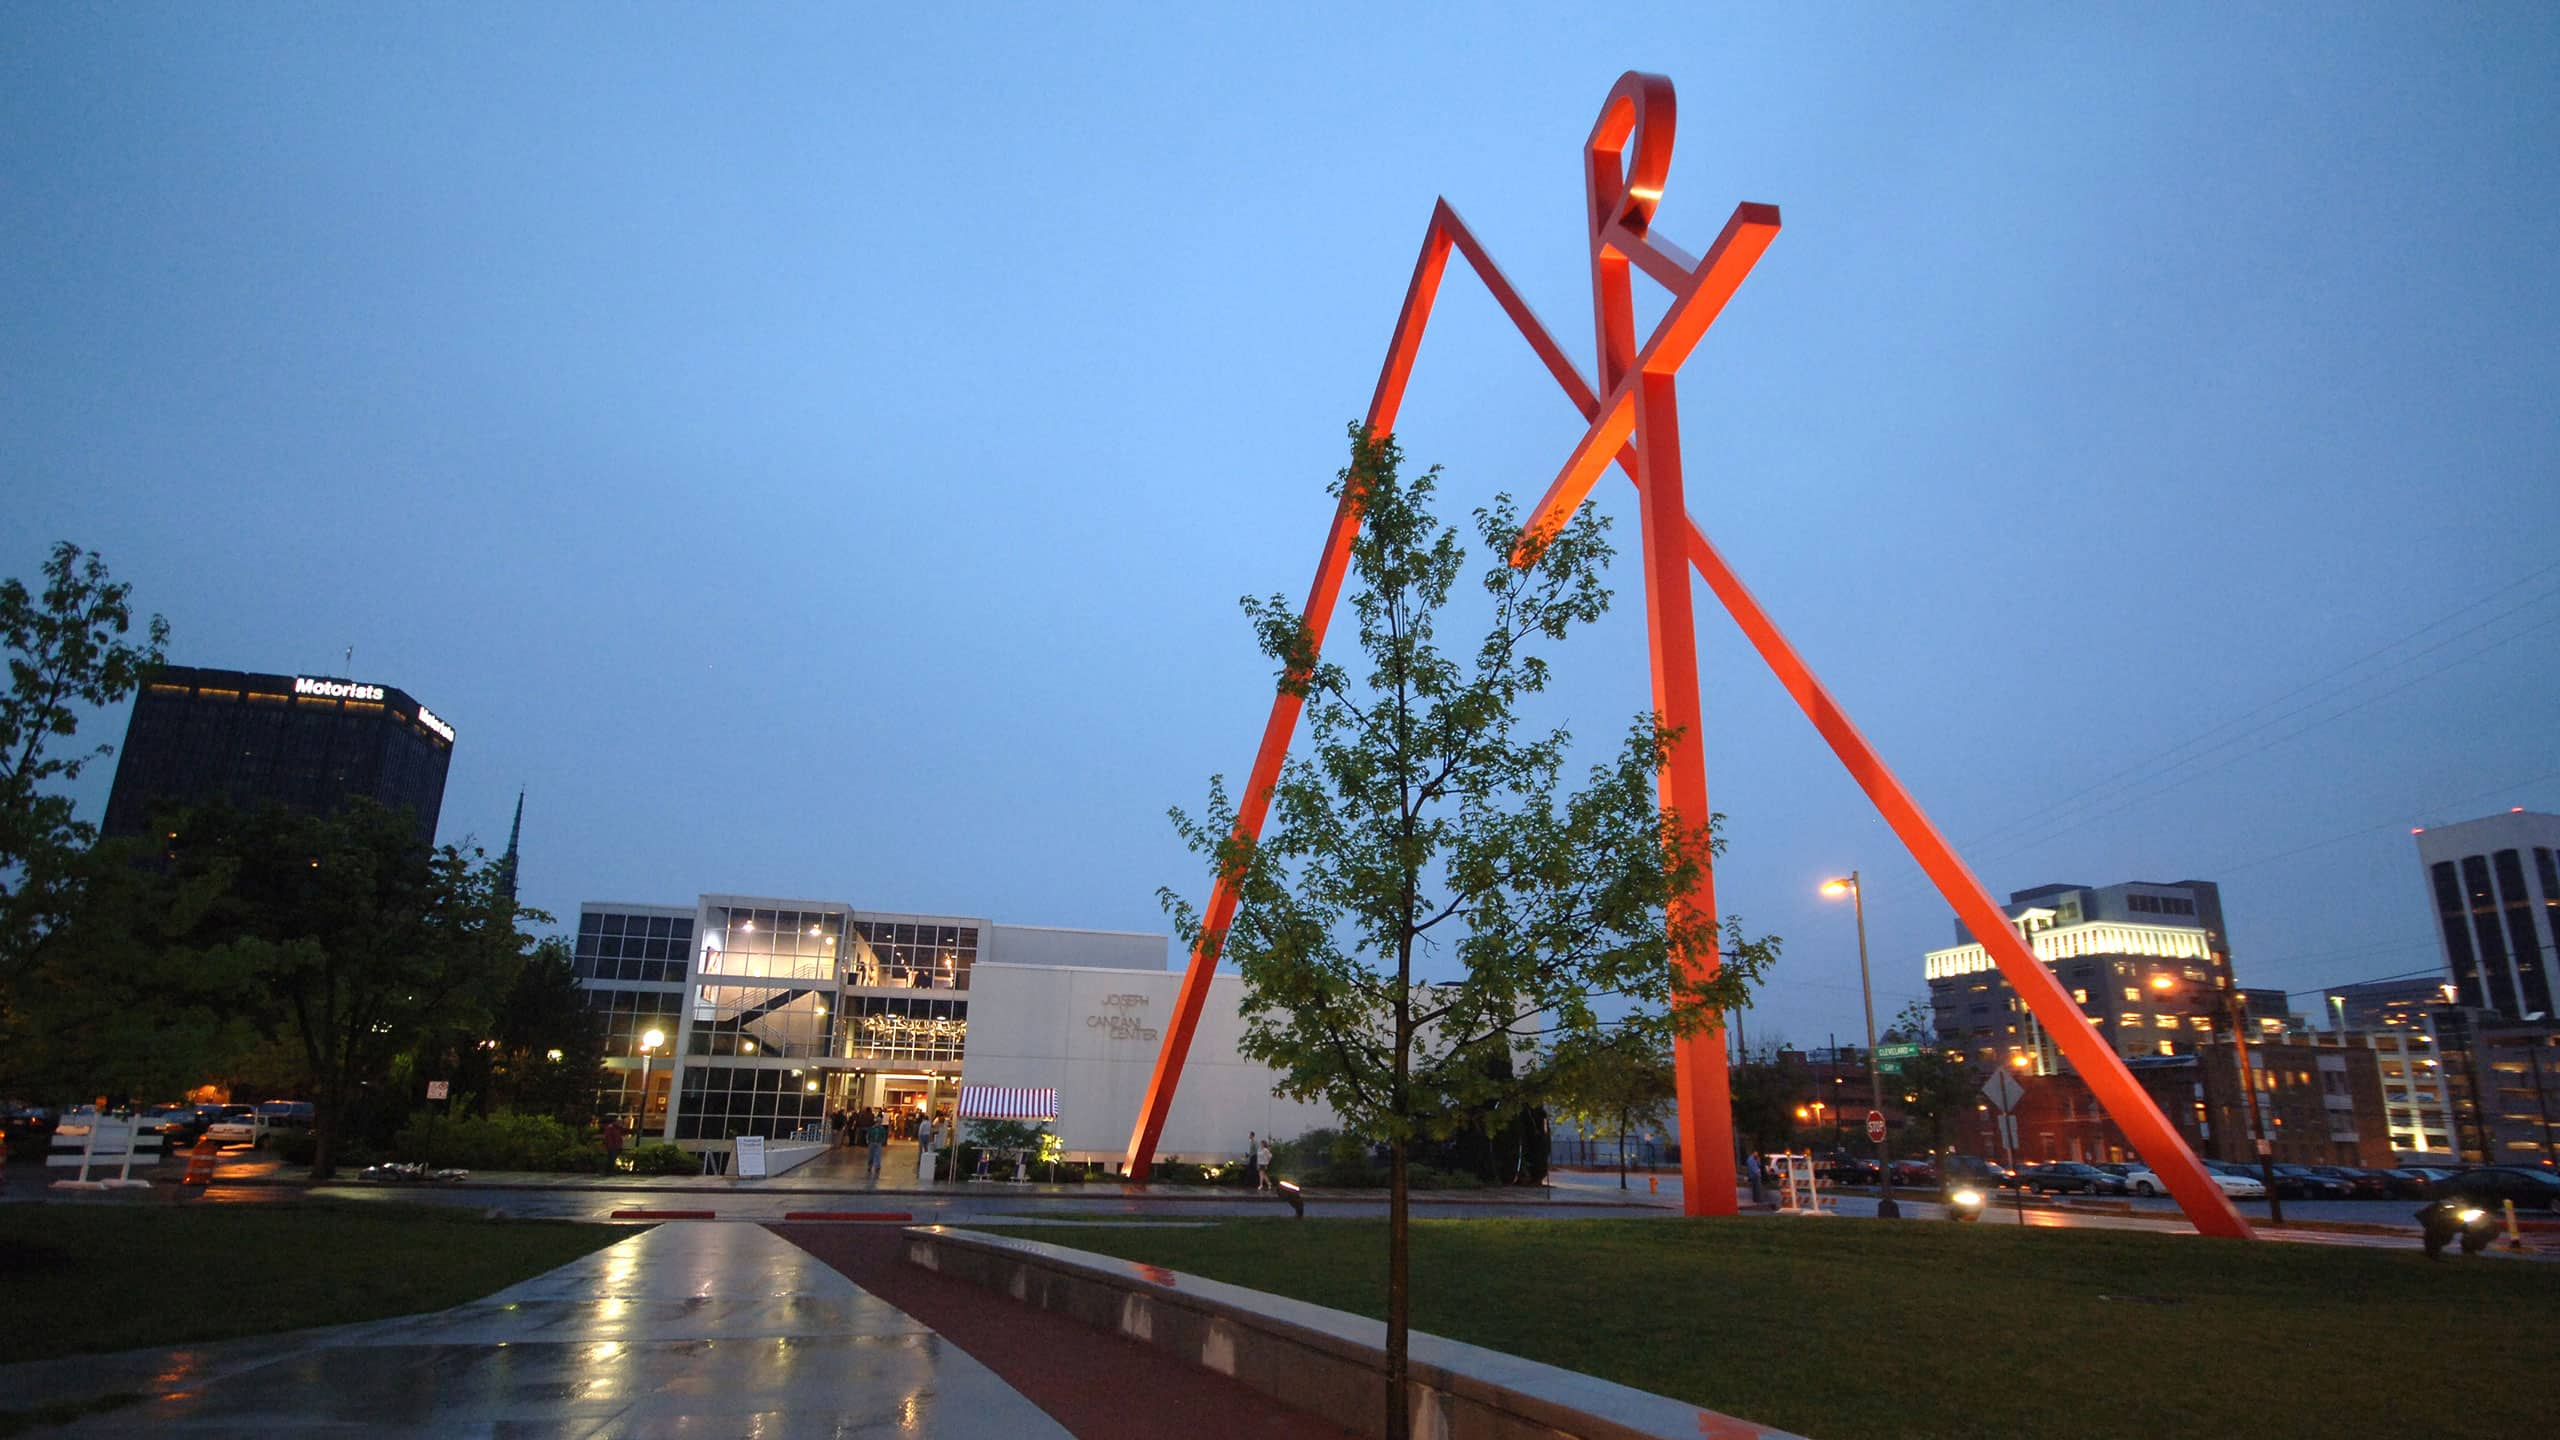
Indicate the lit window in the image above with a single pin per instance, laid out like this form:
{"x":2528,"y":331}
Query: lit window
{"x":2167,"y":1049}
{"x":2132,"y":993}
{"x":2080,"y":995}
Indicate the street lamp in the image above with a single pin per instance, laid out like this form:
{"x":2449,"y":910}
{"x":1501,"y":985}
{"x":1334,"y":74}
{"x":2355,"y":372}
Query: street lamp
{"x":1886,"y":1209}
{"x":649,"y":1042}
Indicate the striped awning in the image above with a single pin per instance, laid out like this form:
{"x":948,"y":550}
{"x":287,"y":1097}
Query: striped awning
{"x":1007,"y":1102}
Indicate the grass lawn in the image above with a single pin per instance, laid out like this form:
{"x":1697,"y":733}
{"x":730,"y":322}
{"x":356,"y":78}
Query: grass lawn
{"x":1847,"y":1329}
{"x":77,"y":1278}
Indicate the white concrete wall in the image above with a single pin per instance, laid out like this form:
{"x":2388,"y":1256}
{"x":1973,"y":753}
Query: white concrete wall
{"x":1092,"y":1035}
{"x":1050,"y":945}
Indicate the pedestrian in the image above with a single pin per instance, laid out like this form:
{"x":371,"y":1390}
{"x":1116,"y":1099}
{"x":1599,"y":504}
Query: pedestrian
{"x":614,"y":1134}
{"x":924,"y":1150}
{"x":1262,"y":1164}
{"x":1253,"y":1159}
{"x":876,"y":1135}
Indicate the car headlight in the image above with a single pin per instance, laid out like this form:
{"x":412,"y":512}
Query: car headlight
{"x":1967,"y":1197}
{"x":2470,"y":1215}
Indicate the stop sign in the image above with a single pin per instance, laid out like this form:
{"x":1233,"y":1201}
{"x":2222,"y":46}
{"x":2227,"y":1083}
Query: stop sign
{"x":1875,"y":1126}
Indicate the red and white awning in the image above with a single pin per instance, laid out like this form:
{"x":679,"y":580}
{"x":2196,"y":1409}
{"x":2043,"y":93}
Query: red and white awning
{"x":1007,"y":1102}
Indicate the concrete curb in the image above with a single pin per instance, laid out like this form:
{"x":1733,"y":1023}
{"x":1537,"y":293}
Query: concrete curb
{"x":1326,"y":1362}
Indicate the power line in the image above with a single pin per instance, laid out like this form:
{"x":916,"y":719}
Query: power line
{"x":2032,"y":817}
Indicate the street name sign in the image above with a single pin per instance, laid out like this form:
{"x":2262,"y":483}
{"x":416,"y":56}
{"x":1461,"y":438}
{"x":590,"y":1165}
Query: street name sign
{"x":1889,"y":1058}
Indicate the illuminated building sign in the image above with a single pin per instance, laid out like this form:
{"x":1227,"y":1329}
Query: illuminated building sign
{"x":335,"y":689}
{"x":432,"y":721}
{"x":907,"y":1025}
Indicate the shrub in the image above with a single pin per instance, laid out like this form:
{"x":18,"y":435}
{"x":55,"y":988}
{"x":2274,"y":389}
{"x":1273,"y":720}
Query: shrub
{"x":294,"y":1147}
{"x":500,"y":1142}
{"x":661,"y":1158}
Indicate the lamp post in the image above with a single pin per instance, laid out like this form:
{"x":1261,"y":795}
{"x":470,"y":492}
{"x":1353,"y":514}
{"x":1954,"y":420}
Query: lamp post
{"x":1886,"y":1209}
{"x":649,"y":1042}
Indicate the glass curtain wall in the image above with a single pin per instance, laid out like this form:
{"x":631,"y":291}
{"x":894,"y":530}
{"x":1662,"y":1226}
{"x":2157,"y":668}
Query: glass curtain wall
{"x":764,"y":990}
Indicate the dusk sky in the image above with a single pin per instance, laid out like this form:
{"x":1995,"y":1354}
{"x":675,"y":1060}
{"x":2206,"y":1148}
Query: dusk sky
{"x":816,"y":451}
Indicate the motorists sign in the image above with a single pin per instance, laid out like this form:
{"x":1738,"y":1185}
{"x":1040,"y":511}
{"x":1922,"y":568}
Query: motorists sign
{"x":1889,"y":1058}
{"x":2003,"y":1092}
{"x":439,"y":1089}
{"x":1875,"y":1126}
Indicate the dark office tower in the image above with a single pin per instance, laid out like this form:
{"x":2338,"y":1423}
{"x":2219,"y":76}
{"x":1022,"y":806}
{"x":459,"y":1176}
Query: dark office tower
{"x":306,"y":742}
{"x":2496,"y":887}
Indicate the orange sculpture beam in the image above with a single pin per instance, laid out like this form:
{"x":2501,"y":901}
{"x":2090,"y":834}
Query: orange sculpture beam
{"x":1634,"y":421}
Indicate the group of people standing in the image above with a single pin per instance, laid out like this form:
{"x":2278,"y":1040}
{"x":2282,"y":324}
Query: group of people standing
{"x":874,"y":1128}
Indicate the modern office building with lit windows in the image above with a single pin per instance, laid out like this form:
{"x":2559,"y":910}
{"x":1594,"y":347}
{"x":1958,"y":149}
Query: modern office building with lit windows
{"x":2146,"y":961}
{"x":771,"y":1013}
{"x":306,"y":742}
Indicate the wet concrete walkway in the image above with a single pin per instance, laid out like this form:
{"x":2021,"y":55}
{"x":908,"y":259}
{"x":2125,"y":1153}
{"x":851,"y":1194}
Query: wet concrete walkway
{"x":686,"y":1329}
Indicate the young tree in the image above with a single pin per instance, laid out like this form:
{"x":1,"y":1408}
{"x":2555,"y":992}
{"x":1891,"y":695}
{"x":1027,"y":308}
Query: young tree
{"x":1426,"y":886}
{"x":1614,"y":1080}
{"x":66,"y":653}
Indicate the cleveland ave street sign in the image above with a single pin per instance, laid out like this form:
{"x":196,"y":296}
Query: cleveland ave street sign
{"x":1889,"y":1058}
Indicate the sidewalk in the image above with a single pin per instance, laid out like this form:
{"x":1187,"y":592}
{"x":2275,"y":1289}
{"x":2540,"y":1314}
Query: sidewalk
{"x":842,"y":1173}
{"x":684,"y":1329}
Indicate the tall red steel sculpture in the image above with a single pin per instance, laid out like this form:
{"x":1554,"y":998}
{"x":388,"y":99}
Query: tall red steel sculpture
{"x":1633,"y":420}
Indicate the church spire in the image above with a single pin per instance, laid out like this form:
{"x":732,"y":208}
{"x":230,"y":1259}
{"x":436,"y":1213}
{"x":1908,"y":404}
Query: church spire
{"x":507,"y":862}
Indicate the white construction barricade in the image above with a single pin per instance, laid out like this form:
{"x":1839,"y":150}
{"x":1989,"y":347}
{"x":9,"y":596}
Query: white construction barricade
{"x":101,"y":1140}
{"x":1799,"y":1187}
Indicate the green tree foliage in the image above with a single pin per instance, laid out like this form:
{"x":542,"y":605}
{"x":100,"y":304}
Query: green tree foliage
{"x":67,"y":654}
{"x":539,"y":1053}
{"x":1937,"y":1087}
{"x":117,"y":1004}
{"x":1427,"y":885}
{"x":1613,"y":1081}
{"x":364,"y":938}
{"x":1765,"y":1096}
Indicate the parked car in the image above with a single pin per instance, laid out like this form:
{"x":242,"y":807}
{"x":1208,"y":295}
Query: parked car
{"x":1914,"y":1172}
{"x":288,"y":1114}
{"x":2530,"y":1188}
{"x":176,"y":1125}
{"x":2301,"y":1182}
{"x":238,"y":1125}
{"x":2361,"y":1183}
{"x":2070,"y":1177}
{"x":1853,"y":1170}
{"x":1975,"y":1170}
{"x":2234,"y":1182}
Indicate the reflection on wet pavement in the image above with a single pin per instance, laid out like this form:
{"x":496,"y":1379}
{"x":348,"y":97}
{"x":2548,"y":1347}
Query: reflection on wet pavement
{"x":685,"y":1329}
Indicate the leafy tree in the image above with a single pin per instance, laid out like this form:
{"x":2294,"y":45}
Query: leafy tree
{"x":1614,"y":1080}
{"x":66,"y":654}
{"x":366,"y":940}
{"x":1937,"y":1086}
{"x":117,"y":1005}
{"x":1424,"y":826}
{"x":1765,"y":1095}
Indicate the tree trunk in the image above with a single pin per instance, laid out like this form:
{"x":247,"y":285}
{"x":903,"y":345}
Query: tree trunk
{"x":1622,"y":1152}
{"x":1399,"y":1294}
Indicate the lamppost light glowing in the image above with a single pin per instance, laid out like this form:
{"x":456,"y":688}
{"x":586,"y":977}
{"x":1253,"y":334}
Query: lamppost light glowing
{"x":653,"y":1039}
{"x":1835,"y":888}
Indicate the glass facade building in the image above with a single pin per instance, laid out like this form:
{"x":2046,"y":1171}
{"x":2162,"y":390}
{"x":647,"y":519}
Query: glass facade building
{"x":308,"y":743}
{"x":774,"y":1013}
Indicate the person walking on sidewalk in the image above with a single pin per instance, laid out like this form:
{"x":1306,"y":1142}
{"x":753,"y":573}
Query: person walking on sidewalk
{"x":924,"y":1149}
{"x":1253,"y":1158}
{"x":877,"y":1137}
{"x":1262,"y":1164}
